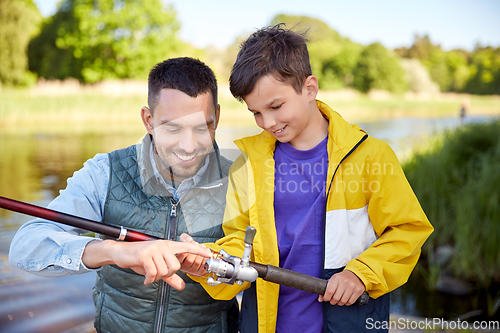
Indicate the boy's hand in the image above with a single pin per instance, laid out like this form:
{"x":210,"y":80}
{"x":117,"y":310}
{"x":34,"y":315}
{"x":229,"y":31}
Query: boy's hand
{"x":191,"y":263}
{"x":343,"y":288}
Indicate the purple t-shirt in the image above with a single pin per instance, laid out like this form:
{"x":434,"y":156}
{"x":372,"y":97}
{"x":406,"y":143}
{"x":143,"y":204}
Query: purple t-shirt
{"x":299,"y":211}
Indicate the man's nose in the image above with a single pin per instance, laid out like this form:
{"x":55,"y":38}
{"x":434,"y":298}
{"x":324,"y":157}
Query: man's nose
{"x":188,"y":143}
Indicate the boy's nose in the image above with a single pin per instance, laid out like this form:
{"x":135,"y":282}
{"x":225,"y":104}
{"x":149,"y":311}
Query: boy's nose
{"x":268,"y":122}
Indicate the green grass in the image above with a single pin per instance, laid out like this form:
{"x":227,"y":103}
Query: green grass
{"x":457,"y":181}
{"x":22,"y":110}
{"x":84,"y":108}
{"x":364,"y":108}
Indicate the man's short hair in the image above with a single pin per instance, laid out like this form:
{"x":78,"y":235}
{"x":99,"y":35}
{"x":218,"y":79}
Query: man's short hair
{"x":271,"y":50}
{"x":191,"y":76}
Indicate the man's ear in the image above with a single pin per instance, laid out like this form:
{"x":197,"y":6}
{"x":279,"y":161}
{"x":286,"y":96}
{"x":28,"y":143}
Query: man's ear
{"x":147,"y":119}
{"x":217,"y":114}
{"x":311,"y":86}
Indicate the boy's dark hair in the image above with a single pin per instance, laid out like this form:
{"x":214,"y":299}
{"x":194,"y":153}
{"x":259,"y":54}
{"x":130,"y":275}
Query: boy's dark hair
{"x":191,"y":76}
{"x":271,"y":50}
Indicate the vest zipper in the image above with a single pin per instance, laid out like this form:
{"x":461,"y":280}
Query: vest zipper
{"x":173,"y":216}
{"x":162,"y":305}
{"x":171,"y":236}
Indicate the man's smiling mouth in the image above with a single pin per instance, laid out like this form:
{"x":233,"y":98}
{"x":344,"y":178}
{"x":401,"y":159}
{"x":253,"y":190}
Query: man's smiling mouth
{"x":185,"y":158}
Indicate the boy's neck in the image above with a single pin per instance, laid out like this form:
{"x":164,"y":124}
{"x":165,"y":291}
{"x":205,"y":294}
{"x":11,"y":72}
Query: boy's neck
{"x":315,"y":132}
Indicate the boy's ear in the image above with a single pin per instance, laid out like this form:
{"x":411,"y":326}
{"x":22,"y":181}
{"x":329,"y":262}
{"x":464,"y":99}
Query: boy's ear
{"x":311,"y":86}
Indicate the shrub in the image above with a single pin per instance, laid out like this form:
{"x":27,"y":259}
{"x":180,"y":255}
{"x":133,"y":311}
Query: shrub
{"x":457,"y":181}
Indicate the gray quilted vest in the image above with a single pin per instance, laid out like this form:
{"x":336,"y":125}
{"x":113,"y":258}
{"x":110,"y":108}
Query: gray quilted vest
{"x":135,"y":200}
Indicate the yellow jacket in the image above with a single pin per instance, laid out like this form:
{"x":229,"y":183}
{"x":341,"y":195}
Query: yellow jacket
{"x":374,"y":224}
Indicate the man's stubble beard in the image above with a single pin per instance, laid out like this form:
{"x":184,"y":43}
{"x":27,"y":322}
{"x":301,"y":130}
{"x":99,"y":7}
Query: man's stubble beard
{"x":176,"y":171}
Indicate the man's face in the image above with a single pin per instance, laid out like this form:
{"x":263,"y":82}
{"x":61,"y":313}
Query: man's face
{"x":183,"y":130}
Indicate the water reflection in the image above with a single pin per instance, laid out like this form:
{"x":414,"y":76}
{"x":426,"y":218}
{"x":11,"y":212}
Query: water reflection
{"x":403,"y":134}
{"x":33,"y":304}
{"x":34,"y":168}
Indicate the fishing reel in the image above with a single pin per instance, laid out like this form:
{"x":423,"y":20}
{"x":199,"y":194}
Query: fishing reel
{"x":229,"y":269}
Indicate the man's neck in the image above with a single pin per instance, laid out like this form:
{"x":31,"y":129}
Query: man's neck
{"x":164,"y":170}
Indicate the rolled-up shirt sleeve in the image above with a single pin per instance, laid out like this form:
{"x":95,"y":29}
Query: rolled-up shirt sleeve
{"x":53,"y":249}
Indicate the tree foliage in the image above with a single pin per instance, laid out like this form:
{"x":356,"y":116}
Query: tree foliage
{"x":418,"y":77}
{"x":476,"y":72}
{"x":92,"y":40}
{"x":19,"y":20}
{"x":332,"y":56}
{"x":338,"y":62}
{"x":485,"y":71}
{"x":378,"y":68}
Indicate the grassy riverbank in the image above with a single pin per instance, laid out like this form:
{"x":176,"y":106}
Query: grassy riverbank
{"x":115,"y":106}
{"x":457,"y":181}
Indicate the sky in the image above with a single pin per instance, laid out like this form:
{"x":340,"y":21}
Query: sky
{"x":450,"y":23}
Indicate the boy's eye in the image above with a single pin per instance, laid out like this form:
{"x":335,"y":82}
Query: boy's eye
{"x":255,"y":114}
{"x":276,"y":107}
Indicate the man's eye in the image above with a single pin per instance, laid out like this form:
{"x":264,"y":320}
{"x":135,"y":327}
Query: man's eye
{"x":201,"y":129}
{"x":173,"y":130}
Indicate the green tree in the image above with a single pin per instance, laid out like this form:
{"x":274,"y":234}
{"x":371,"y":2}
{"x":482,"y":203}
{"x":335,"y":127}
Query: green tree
{"x":92,"y":40}
{"x":19,"y":20}
{"x":422,"y":48}
{"x":449,"y":69}
{"x":459,"y":69}
{"x":342,"y":65}
{"x":418,"y":77}
{"x":377,"y":68}
{"x":439,"y":70}
{"x":485,"y":71}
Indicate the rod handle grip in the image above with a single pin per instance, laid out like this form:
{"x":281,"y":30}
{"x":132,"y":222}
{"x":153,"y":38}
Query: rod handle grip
{"x":297,"y":280}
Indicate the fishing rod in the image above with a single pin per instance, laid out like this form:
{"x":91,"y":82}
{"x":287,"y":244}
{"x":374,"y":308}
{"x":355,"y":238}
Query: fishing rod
{"x":120,"y":233}
{"x":226,"y":268}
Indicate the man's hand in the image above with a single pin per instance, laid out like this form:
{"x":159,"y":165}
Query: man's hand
{"x":190,"y":263}
{"x":343,"y":288}
{"x":156,"y":260}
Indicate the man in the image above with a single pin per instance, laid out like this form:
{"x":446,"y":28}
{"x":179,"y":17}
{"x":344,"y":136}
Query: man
{"x":174,"y":182}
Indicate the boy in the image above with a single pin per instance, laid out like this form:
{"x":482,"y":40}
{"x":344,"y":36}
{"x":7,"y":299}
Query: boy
{"x":327,"y":200}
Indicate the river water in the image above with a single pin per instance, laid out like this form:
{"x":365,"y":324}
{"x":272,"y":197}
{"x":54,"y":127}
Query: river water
{"x":34,"y":168}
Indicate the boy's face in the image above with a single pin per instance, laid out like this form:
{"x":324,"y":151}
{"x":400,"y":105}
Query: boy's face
{"x":281,"y":111}
{"x":183,"y":130}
